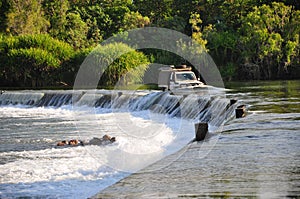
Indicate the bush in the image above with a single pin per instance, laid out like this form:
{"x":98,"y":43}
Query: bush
{"x":35,"y":57}
{"x":30,"y":60}
{"x":33,"y":66}
{"x":59,"y":49}
{"x":125,"y":65}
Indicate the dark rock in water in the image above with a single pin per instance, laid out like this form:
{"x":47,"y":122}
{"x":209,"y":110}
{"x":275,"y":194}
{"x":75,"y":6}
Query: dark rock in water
{"x":97,"y":141}
{"x":105,"y":140}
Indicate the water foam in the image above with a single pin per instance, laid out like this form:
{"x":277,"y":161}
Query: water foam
{"x":55,"y":171}
{"x":148,"y":126}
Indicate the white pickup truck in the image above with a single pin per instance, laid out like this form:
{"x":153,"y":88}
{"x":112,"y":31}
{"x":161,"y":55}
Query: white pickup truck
{"x":174,"y":78}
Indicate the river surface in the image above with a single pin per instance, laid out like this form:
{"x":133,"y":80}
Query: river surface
{"x":254,"y":156}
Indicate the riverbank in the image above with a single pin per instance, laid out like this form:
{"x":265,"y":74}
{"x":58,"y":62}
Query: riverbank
{"x":129,"y":87}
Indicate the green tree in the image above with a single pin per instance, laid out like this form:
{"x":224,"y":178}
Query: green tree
{"x":231,"y":13}
{"x":175,"y":23}
{"x":26,"y":17}
{"x":4,"y":7}
{"x":56,"y":14}
{"x":76,"y":31}
{"x":106,"y":18}
{"x":265,"y":40}
{"x":195,"y":22}
{"x":116,"y":15}
{"x":222,"y":45}
{"x":133,"y":20}
{"x":96,"y":19}
{"x":156,"y":10}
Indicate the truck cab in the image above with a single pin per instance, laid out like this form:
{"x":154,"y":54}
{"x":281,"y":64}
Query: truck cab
{"x":181,"y":77}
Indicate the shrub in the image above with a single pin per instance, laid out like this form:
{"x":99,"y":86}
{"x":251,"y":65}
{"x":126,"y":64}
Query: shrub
{"x":30,"y":60}
{"x":124,"y":64}
{"x":58,"y":48}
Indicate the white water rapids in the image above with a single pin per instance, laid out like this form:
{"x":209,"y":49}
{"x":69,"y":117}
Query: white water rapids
{"x":148,"y":126}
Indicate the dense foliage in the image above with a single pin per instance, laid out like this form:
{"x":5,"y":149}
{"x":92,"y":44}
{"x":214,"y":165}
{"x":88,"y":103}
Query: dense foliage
{"x":31,"y":60}
{"x":124,"y":64}
{"x":43,"y":42}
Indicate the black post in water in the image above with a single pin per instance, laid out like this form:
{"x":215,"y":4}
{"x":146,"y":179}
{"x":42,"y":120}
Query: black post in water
{"x":201,"y":130}
{"x":240,"y":111}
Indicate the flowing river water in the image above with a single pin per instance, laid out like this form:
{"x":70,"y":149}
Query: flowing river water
{"x":254,"y":156}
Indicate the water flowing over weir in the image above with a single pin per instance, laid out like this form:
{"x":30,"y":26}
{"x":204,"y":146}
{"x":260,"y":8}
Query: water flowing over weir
{"x":148,"y":126}
{"x":256,"y":156}
{"x":204,"y":108}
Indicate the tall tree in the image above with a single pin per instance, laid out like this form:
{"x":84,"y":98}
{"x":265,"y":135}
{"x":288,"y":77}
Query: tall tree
{"x":133,"y":20}
{"x":265,"y":37}
{"x":56,"y":13}
{"x":26,"y":17}
{"x":156,"y":10}
{"x":75,"y":31}
{"x":4,"y":7}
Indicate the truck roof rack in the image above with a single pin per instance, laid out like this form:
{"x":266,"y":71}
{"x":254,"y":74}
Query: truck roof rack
{"x":176,"y":68}
{"x":183,"y":68}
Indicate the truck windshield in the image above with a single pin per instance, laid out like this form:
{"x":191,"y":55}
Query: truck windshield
{"x":185,"y":76}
